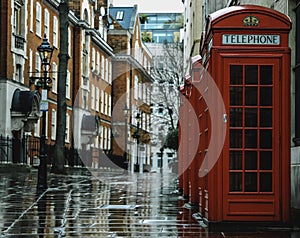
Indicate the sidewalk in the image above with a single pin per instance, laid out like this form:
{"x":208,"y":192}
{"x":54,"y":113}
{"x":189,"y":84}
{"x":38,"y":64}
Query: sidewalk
{"x":105,"y":204}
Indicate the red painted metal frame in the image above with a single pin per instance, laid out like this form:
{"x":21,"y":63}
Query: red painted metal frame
{"x":211,"y":192}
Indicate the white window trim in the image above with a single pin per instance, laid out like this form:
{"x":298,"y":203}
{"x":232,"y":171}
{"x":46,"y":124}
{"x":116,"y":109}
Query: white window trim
{"x":102,"y":101}
{"x":38,"y":20}
{"x":98,"y":63}
{"x":93,"y":59}
{"x":97,"y":99}
{"x":120,"y":15}
{"x":53,"y":124}
{"x":106,"y":104}
{"x":109,"y":72}
{"x":101,"y":138}
{"x":93,"y":97}
{"x":105,"y":138}
{"x":30,"y":62}
{"x":47,"y":23}
{"x":68,"y":86}
{"x":102,"y":67}
{"x":106,"y":70}
{"x":55,"y":31}
{"x":67,"y":137}
{"x":37,"y":64}
{"x":136,"y":87}
{"x":37,"y":127}
{"x":54,"y":77}
{"x":109,"y":105}
{"x":31,"y":15}
{"x":109,"y":139}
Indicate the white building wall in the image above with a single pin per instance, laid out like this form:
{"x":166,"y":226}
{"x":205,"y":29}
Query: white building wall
{"x":7,"y":89}
{"x":187,"y":39}
{"x":287,"y":7}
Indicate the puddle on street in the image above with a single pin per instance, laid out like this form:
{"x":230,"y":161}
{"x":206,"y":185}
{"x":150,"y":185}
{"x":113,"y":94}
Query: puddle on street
{"x":138,"y":205}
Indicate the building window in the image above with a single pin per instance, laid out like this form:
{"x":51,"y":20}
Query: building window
{"x":37,"y":128}
{"x":109,"y":139}
{"x":106,"y":70}
{"x":120,"y":15}
{"x":54,"y":77}
{"x":55,"y":32}
{"x":140,"y":90}
{"x":53,"y":124}
{"x":86,"y":43}
{"x":93,"y":59}
{"x":31,"y":15}
{"x":102,"y":67}
{"x":17,"y":19}
{"x":144,"y":92}
{"x":67,"y":136}
{"x":136,"y":87}
{"x":46,"y":22}
{"x":85,"y":99}
{"x":86,"y":15}
{"x":84,"y":63}
{"x":148,"y":96}
{"x":105,"y":103}
{"x":101,"y":139}
{"x":109,"y":72}
{"x":38,"y":19}
{"x":102,"y":101}
{"x":68,"y":88}
{"x":18,"y":73}
{"x":109,"y":105}
{"x":137,"y":51}
{"x":93,"y":97}
{"x":69,"y":40}
{"x":30,"y":62}
{"x":37,"y":64}
{"x":97,"y":99}
{"x":96,"y":143}
{"x":104,"y":138}
{"x":98,"y":63}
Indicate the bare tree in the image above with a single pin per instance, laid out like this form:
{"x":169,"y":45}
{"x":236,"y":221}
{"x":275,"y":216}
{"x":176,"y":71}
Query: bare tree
{"x":59,"y":156}
{"x":167,"y":71}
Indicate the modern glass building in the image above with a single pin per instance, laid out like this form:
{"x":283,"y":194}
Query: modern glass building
{"x":161,"y":27}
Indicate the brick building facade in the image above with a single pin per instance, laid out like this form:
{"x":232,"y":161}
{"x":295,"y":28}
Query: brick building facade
{"x":89,"y":79}
{"x":131,"y":87}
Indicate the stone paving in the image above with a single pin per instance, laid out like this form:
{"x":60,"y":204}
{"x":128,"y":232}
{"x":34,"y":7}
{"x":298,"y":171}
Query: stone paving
{"x":105,"y":204}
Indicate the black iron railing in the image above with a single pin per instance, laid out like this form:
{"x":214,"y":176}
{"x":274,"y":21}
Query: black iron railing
{"x":26,"y":150}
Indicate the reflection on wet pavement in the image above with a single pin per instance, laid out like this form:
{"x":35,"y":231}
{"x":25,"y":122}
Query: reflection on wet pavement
{"x":137,"y":205}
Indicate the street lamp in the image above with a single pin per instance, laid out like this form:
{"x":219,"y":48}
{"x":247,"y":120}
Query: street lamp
{"x":126,"y":112}
{"x":136,"y":135}
{"x":45,"y":52}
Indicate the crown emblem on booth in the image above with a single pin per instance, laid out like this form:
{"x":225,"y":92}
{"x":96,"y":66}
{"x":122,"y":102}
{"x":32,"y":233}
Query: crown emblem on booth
{"x":250,"y":21}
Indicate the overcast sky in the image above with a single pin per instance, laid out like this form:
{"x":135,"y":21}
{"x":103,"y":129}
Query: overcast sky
{"x":152,"y":5}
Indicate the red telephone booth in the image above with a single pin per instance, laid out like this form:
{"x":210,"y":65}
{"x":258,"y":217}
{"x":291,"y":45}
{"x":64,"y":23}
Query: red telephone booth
{"x":245,"y":50}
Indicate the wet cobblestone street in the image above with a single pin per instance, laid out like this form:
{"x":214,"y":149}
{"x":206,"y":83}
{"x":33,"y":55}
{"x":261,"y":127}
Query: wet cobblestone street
{"x":113,"y":205}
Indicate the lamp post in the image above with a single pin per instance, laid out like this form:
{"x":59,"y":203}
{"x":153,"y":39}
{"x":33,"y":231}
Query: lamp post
{"x":126,"y":114}
{"x":45,"y":52}
{"x":161,"y":158}
{"x":136,"y":135}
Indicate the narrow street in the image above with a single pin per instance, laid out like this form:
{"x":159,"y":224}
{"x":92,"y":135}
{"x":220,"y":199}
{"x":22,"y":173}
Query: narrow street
{"x":106,"y":204}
